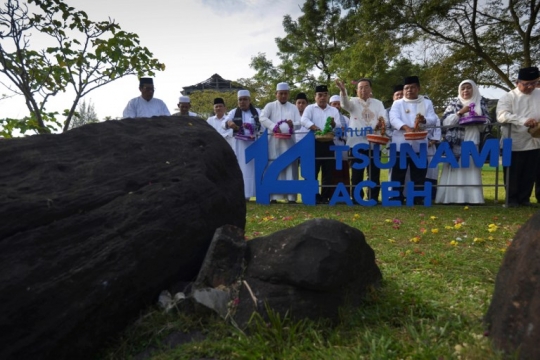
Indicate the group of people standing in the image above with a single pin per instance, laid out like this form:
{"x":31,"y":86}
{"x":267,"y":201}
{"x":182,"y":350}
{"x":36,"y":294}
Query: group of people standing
{"x":410,"y":112}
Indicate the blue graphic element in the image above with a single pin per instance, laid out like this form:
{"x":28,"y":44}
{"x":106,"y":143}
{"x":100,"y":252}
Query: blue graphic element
{"x":266,"y":176}
{"x":424,"y":193}
{"x":267,"y":183}
{"x":469,"y":149}
{"x":341,"y":195}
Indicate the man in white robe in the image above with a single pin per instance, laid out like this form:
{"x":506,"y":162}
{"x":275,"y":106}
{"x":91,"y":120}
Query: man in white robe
{"x":520,"y":108}
{"x":402,"y":119}
{"x":280,"y":118}
{"x":184,"y":104}
{"x":314,"y":118}
{"x":237,"y":119}
{"x":217,"y":120}
{"x":365,"y":113}
{"x":145,"y":105}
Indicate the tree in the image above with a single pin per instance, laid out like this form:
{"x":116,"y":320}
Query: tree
{"x":86,"y":114}
{"x":83,"y":55}
{"x":202,"y":102}
{"x":311,"y":43}
{"x":490,"y":39}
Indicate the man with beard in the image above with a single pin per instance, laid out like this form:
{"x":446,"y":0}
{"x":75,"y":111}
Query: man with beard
{"x":280,"y":117}
{"x":244,"y":120}
{"x":184,"y":104}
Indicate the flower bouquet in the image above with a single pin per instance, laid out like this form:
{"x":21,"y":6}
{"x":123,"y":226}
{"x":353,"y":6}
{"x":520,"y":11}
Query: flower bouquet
{"x":416,"y":134}
{"x":283,"y":130}
{"x":376,"y":138}
{"x":326,"y":134}
{"x":246,"y":133}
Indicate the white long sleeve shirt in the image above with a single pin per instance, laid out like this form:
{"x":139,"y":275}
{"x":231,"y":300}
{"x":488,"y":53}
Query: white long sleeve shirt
{"x":515,"y":108}
{"x":404,"y":113}
{"x":315,"y":115}
{"x":358,"y":122}
{"x":275,"y":111}
{"x":139,"y":107}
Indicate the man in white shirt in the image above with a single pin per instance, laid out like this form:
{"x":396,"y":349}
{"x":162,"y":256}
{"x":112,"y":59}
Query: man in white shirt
{"x":403,"y":116}
{"x":280,"y":118}
{"x":301,"y":104}
{"x":216,"y":121}
{"x":519,"y":107}
{"x":343,"y":175}
{"x":184,"y":104}
{"x":145,"y":105}
{"x":315,"y":118}
{"x":365,"y":113}
{"x":244,"y":120}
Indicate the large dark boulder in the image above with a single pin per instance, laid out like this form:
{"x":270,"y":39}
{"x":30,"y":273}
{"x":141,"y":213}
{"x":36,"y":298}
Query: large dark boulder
{"x":309,"y":271}
{"x":513,"y":317}
{"x":96,"y":222}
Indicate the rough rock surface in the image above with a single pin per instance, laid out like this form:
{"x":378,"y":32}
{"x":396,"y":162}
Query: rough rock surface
{"x":97,"y":221}
{"x":513,"y":317}
{"x":309,"y":270}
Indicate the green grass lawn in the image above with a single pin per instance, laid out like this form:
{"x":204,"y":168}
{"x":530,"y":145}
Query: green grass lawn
{"x":439,"y":266}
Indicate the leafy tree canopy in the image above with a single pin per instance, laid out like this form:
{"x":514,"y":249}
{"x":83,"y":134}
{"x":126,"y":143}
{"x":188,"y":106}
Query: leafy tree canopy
{"x":82,"y":55}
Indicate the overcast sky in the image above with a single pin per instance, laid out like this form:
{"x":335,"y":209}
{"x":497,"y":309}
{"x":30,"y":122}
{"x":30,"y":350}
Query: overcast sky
{"x":194,"y":38}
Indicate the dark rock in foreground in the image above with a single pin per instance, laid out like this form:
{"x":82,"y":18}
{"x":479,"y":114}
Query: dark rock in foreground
{"x":309,"y":271}
{"x":513,"y":317}
{"x":97,"y":221}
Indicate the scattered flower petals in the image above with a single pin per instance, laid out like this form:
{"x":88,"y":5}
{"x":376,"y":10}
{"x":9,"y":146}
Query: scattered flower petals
{"x":415,"y":239}
{"x":453,"y":243}
{"x":434,"y":231}
{"x":457,"y":226}
{"x":466,"y":208}
{"x":433,"y":217}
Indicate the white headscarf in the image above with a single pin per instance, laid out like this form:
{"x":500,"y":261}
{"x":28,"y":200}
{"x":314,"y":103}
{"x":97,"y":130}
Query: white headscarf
{"x":476,"y":98}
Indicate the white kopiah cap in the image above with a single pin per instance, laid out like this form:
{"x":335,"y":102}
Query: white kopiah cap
{"x":282,"y":86}
{"x":244,"y":93}
{"x":335,"y":98}
{"x":184,"y":99}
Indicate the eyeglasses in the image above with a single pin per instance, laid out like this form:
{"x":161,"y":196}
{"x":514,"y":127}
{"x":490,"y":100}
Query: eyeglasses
{"x":529,"y":84}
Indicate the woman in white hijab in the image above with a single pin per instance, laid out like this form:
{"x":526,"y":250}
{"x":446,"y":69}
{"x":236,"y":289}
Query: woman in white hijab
{"x":469,"y":179}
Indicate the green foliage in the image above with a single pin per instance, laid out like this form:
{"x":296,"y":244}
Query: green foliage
{"x":488,"y":39}
{"x":86,"y":55}
{"x":443,"y":42}
{"x":86,"y":114}
{"x":29,"y":124}
{"x":202,"y":102}
{"x":439,"y":266}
